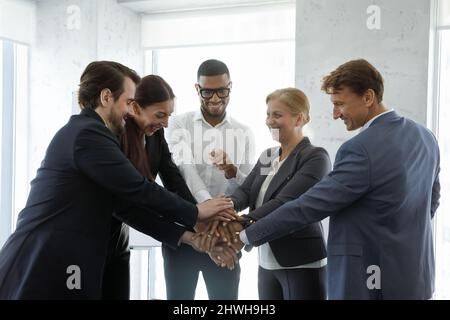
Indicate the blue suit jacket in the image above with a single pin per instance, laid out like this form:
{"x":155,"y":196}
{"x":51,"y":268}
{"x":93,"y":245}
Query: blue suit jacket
{"x":381,"y":197}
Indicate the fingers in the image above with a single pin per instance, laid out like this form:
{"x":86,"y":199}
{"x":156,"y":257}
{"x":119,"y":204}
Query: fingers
{"x":234,"y":229}
{"x":200,"y":226}
{"x":227,"y":215}
{"x":229,"y":258}
{"x":224,"y":257}
{"x":212,"y":228}
{"x":218,"y":157}
{"x":223,"y":234}
{"x":197,"y":235}
{"x":205,"y":242}
{"x":211,"y":207}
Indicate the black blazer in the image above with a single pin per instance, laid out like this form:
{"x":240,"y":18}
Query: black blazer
{"x":164,"y":229}
{"x":68,"y":214}
{"x":303,"y":168}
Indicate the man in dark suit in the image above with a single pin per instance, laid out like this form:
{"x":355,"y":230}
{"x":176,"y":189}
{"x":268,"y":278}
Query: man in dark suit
{"x":59,"y":247}
{"x":381,"y":197}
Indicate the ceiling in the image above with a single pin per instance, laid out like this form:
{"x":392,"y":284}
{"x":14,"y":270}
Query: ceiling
{"x":165,"y":6}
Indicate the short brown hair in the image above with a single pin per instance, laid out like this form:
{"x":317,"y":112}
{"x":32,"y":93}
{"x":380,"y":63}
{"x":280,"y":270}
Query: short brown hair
{"x":295,"y":99}
{"x":357,"y":75}
{"x":100,"y":75}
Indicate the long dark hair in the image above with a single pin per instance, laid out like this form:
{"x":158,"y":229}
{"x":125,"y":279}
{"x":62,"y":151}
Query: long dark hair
{"x":152,"y":89}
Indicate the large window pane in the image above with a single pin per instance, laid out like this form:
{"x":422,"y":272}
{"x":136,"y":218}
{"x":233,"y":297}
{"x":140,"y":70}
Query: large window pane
{"x":21,"y":138}
{"x":13,"y":134}
{"x":256,"y":70}
{"x":1,"y":119}
{"x":444,"y":13}
{"x":443,"y":219}
{"x":7,"y":139}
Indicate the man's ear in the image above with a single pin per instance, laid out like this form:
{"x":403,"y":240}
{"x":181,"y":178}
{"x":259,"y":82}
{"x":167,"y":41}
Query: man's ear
{"x":106,"y":97}
{"x":197,"y":88}
{"x":135,"y":109}
{"x":231,"y":84}
{"x":369,"y":97}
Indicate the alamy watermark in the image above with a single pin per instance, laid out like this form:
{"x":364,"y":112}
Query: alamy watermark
{"x":374,"y":20}
{"x":73,"y":21}
{"x":73,"y":281}
{"x":374,"y":280}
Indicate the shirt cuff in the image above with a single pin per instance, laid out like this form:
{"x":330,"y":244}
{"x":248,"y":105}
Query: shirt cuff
{"x":202,"y":196}
{"x":243,"y":237}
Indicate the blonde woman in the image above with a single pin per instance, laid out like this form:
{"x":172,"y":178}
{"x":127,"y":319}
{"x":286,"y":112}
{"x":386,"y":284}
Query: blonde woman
{"x":292,"y":267}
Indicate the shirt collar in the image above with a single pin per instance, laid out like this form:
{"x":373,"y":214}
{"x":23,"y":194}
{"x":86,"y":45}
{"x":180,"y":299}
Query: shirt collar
{"x":198,"y":116}
{"x":368,"y":123}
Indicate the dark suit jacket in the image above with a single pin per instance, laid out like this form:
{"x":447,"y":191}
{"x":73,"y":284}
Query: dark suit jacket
{"x":68,"y":214}
{"x":164,"y":229}
{"x":304,"y":167}
{"x":381,"y":196}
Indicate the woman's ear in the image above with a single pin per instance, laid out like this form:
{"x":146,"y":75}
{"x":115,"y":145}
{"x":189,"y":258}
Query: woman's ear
{"x":300,"y":121}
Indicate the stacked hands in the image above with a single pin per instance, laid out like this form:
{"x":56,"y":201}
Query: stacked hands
{"x":220,"y":240}
{"x":218,"y":226}
{"x":217,"y":232}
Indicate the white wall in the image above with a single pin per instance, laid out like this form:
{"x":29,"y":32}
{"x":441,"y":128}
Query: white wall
{"x":329,"y":33}
{"x":17,"y":20}
{"x":69,"y":35}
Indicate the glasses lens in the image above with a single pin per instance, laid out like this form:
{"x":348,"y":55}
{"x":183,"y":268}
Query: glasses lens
{"x":206,"y":93}
{"x":223,"y":93}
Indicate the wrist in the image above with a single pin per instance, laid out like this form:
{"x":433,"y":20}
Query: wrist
{"x":231,"y":172}
{"x":186,"y":237}
{"x":246,"y":221}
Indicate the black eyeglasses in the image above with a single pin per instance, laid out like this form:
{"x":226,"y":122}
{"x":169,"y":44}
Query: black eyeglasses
{"x":209,"y":93}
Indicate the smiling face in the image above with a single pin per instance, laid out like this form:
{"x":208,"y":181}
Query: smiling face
{"x":153,"y":117}
{"x":119,"y":109}
{"x":282,"y":123}
{"x":215,"y":106}
{"x":352,"y":108}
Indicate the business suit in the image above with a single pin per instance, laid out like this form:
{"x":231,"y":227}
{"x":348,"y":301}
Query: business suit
{"x":381,"y":197}
{"x":116,"y":277}
{"x":303,"y":168}
{"x":68,"y":214}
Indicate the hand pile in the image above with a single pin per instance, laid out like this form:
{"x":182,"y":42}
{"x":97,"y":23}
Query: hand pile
{"x":220,"y":240}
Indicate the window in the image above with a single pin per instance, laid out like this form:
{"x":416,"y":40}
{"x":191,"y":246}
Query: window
{"x":442,"y":234}
{"x":13,"y":133}
{"x":1,"y":139}
{"x":260,"y":61}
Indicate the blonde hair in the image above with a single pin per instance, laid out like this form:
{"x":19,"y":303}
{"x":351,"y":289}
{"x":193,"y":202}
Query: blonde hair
{"x":294,"y":99}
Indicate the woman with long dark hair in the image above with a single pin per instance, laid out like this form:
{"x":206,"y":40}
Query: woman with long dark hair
{"x":144,"y":144}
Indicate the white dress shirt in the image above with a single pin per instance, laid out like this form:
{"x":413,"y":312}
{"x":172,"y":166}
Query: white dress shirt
{"x":266,"y":259}
{"x":191,"y":139}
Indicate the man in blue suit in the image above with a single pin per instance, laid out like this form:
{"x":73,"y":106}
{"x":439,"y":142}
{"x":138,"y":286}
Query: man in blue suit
{"x":381,"y":197}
